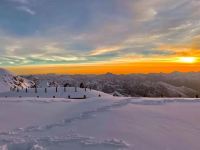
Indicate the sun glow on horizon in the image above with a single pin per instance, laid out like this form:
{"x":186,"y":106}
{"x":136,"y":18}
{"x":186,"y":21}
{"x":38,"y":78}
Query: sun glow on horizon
{"x":189,"y":60}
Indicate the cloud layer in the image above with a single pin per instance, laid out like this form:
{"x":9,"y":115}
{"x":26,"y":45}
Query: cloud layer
{"x":42,"y":32}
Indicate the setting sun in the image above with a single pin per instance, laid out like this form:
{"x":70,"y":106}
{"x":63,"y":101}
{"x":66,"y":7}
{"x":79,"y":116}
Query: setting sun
{"x":187,"y":59}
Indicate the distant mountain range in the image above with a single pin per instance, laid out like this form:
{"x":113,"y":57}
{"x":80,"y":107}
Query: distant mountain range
{"x":175,"y":84}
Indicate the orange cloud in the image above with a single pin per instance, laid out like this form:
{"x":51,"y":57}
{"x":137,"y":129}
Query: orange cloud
{"x":188,"y":49}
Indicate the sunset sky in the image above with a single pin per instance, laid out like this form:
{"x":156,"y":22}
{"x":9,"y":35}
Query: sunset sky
{"x":99,"y":36}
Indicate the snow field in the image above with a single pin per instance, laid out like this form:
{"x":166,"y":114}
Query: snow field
{"x":101,"y":123}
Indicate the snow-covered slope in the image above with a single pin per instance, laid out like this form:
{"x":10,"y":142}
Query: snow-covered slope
{"x":150,"y":85}
{"x":61,"y":92}
{"x":173,"y":91}
{"x":162,"y":89}
{"x":99,"y":123}
{"x":9,"y":80}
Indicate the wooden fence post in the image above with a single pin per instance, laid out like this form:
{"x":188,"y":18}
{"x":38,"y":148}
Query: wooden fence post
{"x":64,"y":89}
{"x":75,"y":89}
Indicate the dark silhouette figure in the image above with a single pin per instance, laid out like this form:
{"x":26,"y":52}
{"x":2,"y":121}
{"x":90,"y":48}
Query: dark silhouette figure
{"x":82,"y":85}
{"x":84,"y":97}
{"x":66,"y":85}
{"x":197,"y":96}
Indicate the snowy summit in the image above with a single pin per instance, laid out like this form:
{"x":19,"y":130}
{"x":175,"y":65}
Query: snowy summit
{"x":9,"y":80}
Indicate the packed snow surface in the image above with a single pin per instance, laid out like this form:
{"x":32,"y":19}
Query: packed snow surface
{"x":99,"y":123}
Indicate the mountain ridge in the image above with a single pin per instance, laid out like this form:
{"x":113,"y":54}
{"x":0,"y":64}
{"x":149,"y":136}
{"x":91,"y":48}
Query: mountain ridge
{"x":9,"y":80}
{"x":148,"y":85}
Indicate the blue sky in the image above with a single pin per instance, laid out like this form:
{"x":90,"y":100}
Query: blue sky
{"x":42,"y":32}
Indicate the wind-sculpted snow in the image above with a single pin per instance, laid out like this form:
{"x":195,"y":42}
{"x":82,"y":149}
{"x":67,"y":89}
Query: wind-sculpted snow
{"x":98,"y":123}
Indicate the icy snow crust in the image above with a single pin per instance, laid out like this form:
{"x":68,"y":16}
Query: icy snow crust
{"x":99,"y":123}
